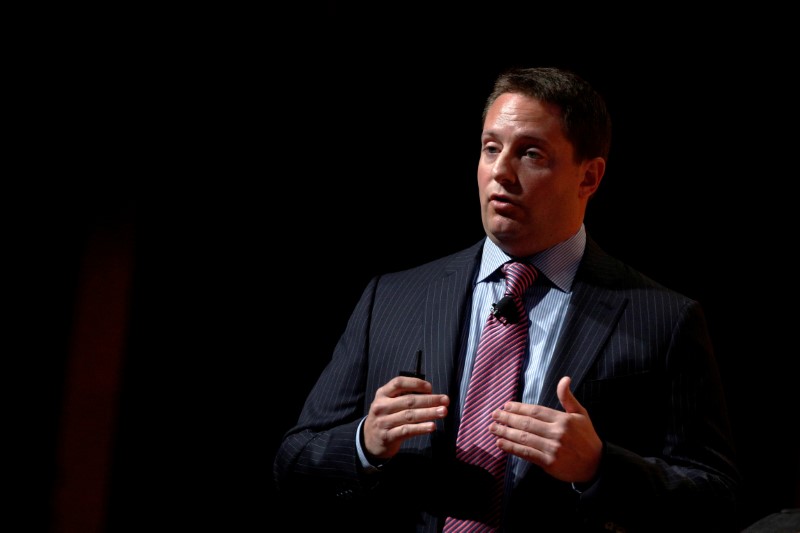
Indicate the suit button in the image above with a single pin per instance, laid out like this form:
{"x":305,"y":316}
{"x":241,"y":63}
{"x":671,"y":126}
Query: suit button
{"x":346,"y":494}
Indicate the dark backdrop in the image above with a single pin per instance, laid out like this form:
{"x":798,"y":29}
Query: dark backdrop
{"x":266,"y":175}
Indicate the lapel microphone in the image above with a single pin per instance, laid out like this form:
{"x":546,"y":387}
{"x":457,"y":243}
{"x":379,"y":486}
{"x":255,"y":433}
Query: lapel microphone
{"x":506,"y":310}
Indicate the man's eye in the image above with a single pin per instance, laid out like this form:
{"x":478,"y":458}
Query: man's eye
{"x":533,"y":154}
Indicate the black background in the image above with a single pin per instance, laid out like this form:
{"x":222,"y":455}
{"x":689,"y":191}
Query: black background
{"x":251,"y":151}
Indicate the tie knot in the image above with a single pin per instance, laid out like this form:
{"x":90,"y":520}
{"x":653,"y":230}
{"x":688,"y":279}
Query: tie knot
{"x":519,"y":276}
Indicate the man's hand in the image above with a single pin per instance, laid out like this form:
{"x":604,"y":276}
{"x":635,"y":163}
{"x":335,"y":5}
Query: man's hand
{"x":563,"y":443}
{"x":403,"y":408}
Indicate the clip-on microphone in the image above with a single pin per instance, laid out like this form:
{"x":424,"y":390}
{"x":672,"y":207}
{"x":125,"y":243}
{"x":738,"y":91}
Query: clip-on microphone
{"x":506,"y":309}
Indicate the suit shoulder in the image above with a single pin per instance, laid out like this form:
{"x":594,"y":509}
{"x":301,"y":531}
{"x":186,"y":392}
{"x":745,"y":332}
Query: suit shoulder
{"x":600,"y":267}
{"x":460,"y":261}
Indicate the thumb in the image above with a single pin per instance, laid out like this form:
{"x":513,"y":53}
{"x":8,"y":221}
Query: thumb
{"x":567,"y":399}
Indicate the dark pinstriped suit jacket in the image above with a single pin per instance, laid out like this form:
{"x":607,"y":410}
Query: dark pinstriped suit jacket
{"x":641,"y":363}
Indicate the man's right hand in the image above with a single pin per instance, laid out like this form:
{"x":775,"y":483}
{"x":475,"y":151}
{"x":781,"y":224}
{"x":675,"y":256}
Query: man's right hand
{"x":403,"y":408}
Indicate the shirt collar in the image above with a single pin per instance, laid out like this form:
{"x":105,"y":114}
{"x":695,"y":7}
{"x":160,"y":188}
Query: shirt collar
{"x":558,"y":263}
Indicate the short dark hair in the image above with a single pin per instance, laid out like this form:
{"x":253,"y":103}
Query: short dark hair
{"x":584,"y":116}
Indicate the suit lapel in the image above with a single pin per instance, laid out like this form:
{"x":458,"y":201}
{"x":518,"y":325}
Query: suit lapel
{"x":594,"y":309}
{"x":593,"y":312}
{"x":446,"y":302}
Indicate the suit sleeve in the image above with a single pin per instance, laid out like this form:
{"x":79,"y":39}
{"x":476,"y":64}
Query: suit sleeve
{"x":319,"y":452}
{"x":691,"y":482}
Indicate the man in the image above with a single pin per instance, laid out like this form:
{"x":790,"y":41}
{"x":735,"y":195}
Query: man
{"x":617,"y":421}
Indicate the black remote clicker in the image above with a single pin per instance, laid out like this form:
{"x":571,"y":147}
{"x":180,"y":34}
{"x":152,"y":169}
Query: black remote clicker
{"x":416,"y":373}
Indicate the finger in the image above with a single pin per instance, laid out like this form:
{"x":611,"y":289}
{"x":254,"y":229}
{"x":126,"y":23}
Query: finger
{"x":396,"y":410}
{"x":405,"y":431}
{"x":416,"y":415}
{"x":408,"y":409}
{"x":407,"y":423}
{"x":567,"y":399}
{"x":383,"y":442}
{"x":525,"y":445}
{"x":523,"y":422}
{"x":538,"y":412}
{"x":419,"y":401}
{"x":519,"y":436}
{"x":401,"y":385}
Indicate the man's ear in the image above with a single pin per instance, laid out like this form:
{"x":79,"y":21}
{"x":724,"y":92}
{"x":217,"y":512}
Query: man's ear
{"x":593,"y":171}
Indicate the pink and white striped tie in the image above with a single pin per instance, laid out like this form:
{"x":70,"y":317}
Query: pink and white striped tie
{"x":494,"y":380}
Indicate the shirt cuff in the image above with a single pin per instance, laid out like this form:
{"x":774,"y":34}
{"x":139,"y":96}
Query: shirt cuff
{"x":368,"y":467}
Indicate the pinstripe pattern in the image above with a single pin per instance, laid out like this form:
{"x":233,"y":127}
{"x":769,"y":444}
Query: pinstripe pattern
{"x":494,"y":381}
{"x":641,"y":364}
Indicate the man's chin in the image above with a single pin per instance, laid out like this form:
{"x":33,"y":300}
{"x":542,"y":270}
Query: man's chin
{"x":511,"y":242}
{"x":502,"y":229}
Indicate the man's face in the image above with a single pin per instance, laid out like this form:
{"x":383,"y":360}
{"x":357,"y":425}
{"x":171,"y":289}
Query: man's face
{"x":532,"y":193}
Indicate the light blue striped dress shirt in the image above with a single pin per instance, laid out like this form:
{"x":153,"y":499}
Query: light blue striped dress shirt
{"x":546,"y":304}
